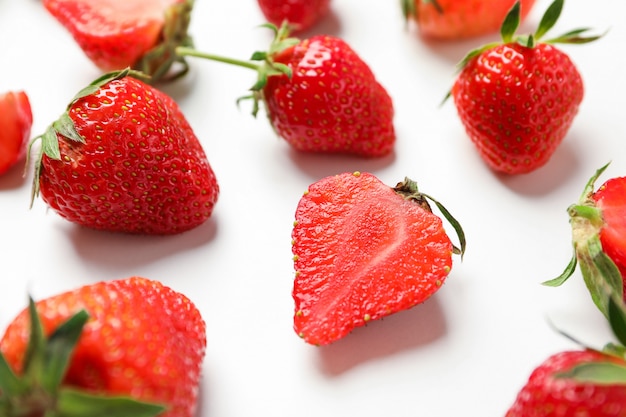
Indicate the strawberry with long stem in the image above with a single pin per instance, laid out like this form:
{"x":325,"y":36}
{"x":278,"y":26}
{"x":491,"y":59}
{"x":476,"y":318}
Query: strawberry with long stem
{"x":320,"y":96}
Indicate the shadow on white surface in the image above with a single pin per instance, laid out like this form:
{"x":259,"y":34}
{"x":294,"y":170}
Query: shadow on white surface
{"x":127,"y":251}
{"x":405,"y":330}
{"x":318,"y":166}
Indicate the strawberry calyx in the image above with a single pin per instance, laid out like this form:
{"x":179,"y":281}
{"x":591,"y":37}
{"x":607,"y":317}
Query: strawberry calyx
{"x":261,"y":61}
{"x":409,"y":8}
{"x":39,"y":391}
{"x":511,"y":24}
{"x":158,"y":61}
{"x":409,"y":191}
{"x":601,"y":275}
{"x":65,"y":126}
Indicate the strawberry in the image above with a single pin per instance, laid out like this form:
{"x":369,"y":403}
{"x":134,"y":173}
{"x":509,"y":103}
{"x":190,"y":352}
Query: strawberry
{"x":123,"y":158}
{"x":599,"y":241}
{"x":16,"y":120}
{"x":364,"y":250}
{"x":301,"y":14}
{"x":132,"y":347}
{"x":518,"y":99}
{"x":574,"y":383}
{"x":459,"y":19}
{"x":319,"y":95}
{"x":115,"y":34}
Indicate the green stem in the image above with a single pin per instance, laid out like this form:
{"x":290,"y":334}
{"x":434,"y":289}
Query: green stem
{"x":185,"y":51}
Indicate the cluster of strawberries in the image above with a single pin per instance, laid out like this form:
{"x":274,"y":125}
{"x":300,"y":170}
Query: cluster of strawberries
{"x":123,"y":158}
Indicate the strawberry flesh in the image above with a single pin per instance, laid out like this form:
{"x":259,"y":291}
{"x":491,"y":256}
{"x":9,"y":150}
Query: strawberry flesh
{"x":362,"y":252}
{"x":114,"y":34}
{"x":16,"y":120}
{"x":301,"y":14}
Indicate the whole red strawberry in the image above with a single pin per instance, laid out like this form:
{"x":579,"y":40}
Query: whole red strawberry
{"x":123,"y":158}
{"x":320,"y":95}
{"x":301,"y":14}
{"x":599,"y":238}
{"x":459,"y":19}
{"x":518,"y":99}
{"x":115,"y":34}
{"x":572,"y":384}
{"x":364,"y":250}
{"x":16,"y":120}
{"x":133,"y":347}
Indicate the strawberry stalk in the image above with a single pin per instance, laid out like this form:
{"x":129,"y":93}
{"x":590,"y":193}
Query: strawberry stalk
{"x":39,"y":391}
{"x":409,"y":190}
{"x":261,"y":61}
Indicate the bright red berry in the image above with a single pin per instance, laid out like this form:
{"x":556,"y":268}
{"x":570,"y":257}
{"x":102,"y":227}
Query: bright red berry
{"x":517,"y":100}
{"x":364,"y":250}
{"x":301,"y":14}
{"x":124,"y":158}
{"x":16,"y":120}
{"x":320,"y":96}
{"x":460,"y":19}
{"x":115,"y":34}
{"x":572,"y":384}
{"x":108,"y":346}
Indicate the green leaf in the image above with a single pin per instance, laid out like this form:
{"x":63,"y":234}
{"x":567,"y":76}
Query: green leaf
{"x":59,"y":349}
{"x":511,"y":23}
{"x":617,"y":318}
{"x":50,"y":145}
{"x":550,"y":17}
{"x":602,"y":373}
{"x":34,"y":357}
{"x":569,"y":270}
{"x":65,"y":126}
{"x":454,"y":223}
{"x":10,"y":384}
{"x":590,"y":186}
{"x":73,"y":403}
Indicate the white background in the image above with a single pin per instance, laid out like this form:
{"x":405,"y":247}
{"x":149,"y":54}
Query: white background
{"x":467,"y":350}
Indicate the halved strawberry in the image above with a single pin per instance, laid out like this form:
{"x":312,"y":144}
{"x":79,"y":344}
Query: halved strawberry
{"x":364,"y":250}
{"x":16,"y":120}
{"x":115,"y":34}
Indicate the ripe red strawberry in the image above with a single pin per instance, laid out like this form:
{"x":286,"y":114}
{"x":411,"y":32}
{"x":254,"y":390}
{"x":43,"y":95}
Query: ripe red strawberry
{"x":124,"y":158}
{"x":599,"y":238}
{"x":518,"y":99}
{"x":574,"y":383}
{"x":133,"y":347}
{"x":16,"y":120}
{"x":459,"y":19}
{"x":364,"y":250}
{"x":301,"y":14}
{"x":320,"y":95}
{"x":115,"y":34}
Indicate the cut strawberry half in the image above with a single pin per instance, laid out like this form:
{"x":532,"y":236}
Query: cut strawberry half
{"x":364,"y":250}
{"x":16,"y":120}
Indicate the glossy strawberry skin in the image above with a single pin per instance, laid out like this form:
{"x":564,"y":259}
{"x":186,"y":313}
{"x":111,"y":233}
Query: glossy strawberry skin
{"x":460,"y":19}
{"x":143,"y":340}
{"x":362,"y":252}
{"x":113,"y":34}
{"x":517,"y":104}
{"x":610,"y":198}
{"x":141,"y":169}
{"x":333,"y":102}
{"x":301,"y":14}
{"x":16,"y":120}
{"x":545,"y":395}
